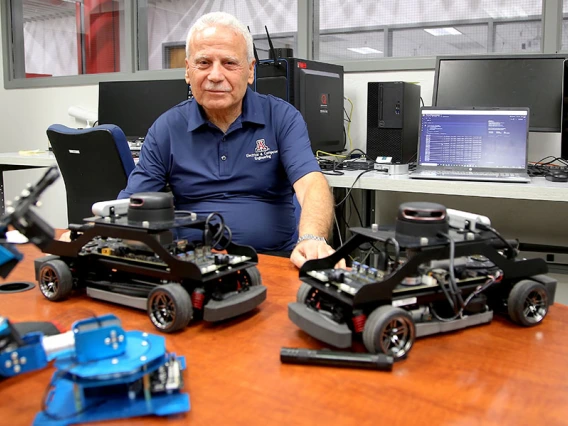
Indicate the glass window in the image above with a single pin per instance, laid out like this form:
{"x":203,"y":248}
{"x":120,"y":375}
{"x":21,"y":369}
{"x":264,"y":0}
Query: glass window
{"x":565,"y":25}
{"x":342,"y":46}
{"x":521,"y":37}
{"x":446,"y":40}
{"x":279,"y":41}
{"x":408,"y":28}
{"x":66,"y":38}
{"x":163,"y":27}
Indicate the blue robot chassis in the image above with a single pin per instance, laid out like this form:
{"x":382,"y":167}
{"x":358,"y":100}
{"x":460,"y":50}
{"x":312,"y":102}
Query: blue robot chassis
{"x":102,"y":371}
{"x":446,"y":280}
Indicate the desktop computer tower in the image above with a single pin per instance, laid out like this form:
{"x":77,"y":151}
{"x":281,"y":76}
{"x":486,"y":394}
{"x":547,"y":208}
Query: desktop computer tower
{"x":315,"y":89}
{"x":393,"y":117}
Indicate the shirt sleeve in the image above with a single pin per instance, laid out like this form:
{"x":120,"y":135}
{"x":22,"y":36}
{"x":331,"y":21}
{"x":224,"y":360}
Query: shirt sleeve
{"x":294,"y":143}
{"x":150,"y":174}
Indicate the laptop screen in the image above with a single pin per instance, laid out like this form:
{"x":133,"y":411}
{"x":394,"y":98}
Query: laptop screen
{"x":474,"y":138}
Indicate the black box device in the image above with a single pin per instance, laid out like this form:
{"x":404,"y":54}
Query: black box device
{"x":315,"y":89}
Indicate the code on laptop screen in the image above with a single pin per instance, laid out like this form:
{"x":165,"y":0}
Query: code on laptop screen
{"x":474,"y":138}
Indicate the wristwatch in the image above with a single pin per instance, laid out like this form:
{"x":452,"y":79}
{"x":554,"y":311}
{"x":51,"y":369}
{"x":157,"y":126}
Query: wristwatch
{"x":310,"y":237}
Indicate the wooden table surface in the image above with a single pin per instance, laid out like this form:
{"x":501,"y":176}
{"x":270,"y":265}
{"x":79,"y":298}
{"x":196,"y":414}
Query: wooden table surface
{"x":497,"y":374}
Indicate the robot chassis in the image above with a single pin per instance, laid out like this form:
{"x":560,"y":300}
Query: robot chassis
{"x":126,"y":254}
{"x":438,"y":270}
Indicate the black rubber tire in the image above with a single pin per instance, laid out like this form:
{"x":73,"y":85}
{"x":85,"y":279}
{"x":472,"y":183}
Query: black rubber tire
{"x":528,"y":303}
{"x":303,"y":293}
{"x":169,"y":307}
{"x":383,"y":325}
{"x":254,"y":277}
{"x":55,"y":280}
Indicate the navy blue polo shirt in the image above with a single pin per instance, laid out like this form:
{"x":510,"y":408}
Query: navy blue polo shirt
{"x":246,"y":174}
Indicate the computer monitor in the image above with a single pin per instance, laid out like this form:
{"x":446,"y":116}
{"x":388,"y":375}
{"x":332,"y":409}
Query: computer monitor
{"x":135,"y":105}
{"x":533,"y":81}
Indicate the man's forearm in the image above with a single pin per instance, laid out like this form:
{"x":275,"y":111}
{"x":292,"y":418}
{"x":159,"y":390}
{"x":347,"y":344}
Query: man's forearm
{"x":317,"y":210}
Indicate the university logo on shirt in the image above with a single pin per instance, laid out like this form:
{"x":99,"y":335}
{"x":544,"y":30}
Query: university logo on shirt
{"x":261,"y":146}
{"x":262,"y":151}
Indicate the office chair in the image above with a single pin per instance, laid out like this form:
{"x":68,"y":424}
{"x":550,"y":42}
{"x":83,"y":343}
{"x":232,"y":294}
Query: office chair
{"x":95,"y":164}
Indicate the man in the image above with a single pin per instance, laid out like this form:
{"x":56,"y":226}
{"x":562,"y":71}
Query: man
{"x":236,"y":152}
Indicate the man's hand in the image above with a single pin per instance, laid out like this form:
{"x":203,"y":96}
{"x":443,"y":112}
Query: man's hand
{"x":312,"y":249}
{"x":66,"y":236}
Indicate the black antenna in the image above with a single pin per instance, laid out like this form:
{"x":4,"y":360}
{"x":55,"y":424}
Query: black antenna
{"x":253,"y":46}
{"x":272,"y":50}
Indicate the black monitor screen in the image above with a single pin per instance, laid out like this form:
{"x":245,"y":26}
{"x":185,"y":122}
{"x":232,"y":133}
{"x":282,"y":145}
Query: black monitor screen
{"x":135,"y":105}
{"x":534,"y":82}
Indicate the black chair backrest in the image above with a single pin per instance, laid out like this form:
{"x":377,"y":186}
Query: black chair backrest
{"x":91,"y":166}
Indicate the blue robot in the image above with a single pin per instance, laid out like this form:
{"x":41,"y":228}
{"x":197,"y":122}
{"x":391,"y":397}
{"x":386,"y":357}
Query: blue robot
{"x":105,"y":372}
{"x":102,"y":371}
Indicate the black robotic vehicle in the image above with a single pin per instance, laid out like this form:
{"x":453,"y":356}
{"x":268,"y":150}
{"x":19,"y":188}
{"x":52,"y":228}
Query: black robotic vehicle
{"x":127,"y":254}
{"x":437,"y":270}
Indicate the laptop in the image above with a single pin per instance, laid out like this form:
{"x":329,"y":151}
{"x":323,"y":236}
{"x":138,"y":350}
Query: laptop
{"x":481,"y":144}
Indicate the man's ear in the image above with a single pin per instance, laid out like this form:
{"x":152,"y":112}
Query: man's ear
{"x":187,"y":71}
{"x":251,"y":72}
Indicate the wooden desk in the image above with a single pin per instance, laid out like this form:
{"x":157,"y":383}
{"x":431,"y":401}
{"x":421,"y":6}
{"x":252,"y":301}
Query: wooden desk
{"x":497,"y":374}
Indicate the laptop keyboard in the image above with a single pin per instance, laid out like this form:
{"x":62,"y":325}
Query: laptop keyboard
{"x":471,"y":173}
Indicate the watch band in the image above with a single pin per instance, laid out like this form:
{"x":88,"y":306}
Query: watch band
{"x":310,"y":237}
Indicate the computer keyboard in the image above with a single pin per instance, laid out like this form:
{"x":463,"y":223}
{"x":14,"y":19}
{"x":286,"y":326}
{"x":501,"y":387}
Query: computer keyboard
{"x":470,"y":173}
{"x":135,"y":144}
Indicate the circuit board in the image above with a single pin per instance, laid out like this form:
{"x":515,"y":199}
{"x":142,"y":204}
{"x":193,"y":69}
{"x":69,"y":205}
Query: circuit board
{"x":359,"y":275}
{"x":348,"y":280}
{"x":202,"y":256}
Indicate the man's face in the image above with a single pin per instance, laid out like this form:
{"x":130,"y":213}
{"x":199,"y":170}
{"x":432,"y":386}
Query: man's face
{"x":217,"y":69}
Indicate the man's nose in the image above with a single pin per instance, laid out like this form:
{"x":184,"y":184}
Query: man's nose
{"x":216,"y":73}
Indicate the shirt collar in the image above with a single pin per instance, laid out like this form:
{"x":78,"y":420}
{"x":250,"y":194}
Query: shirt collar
{"x":252,"y":109}
{"x":252,"y":112}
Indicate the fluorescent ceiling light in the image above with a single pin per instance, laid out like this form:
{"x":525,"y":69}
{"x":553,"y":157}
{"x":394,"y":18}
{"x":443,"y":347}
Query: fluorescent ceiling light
{"x":364,"y":50}
{"x":442,"y":31}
